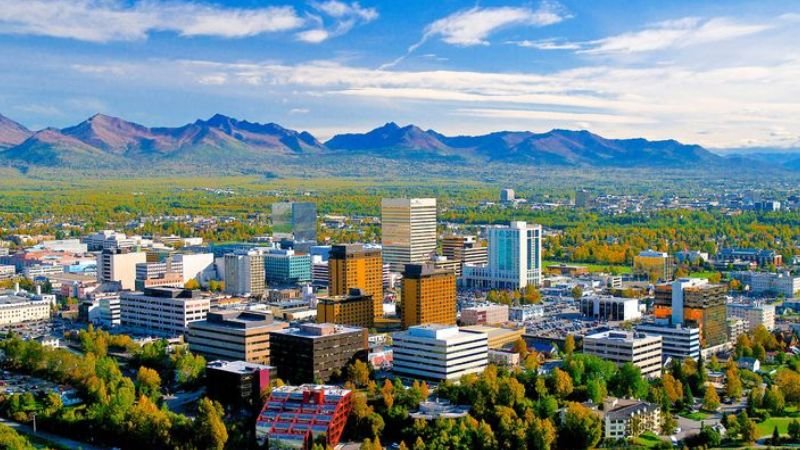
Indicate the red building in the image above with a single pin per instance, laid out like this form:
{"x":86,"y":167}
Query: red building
{"x":294,"y":415}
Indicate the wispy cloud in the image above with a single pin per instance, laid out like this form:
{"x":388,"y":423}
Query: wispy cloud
{"x":473,"y":26}
{"x":115,"y":20}
{"x":684,"y":32}
{"x":344,"y":16}
{"x":547,"y":44}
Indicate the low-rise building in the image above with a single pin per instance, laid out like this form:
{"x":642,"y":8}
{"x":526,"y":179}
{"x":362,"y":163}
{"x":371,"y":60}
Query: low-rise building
{"x":354,"y":309}
{"x":162,"y":311}
{"x":484,"y":314}
{"x":677,"y":341}
{"x":754,"y":314}
{"x":768,"y":283}
{"x":439,"y":352}
{"x":523,"y":313}
{"x":237,"y":383}
{"x":621,"y":347}
{"x":315,"y":352}
{"x":17,"y":308}
{"x":624,"y":418}
{"x":294,"y":416}
{"x":234,"y":335}
{"x":499,"y":337}
{"x":610,"y":308}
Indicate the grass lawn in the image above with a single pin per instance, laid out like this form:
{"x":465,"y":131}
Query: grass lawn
{"x":697,"y":415}
{"x":591,"y":267}
{"x":704,"y":274}
{"x":765,"y":428}
{"x":647,"y":440}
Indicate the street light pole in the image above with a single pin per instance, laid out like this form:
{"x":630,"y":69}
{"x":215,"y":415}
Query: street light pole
{"x":34,"y":422}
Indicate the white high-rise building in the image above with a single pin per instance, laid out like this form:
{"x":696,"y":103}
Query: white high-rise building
{"x":439,"y":352}
{"x":119,"y":265}
{"x":244,"y":274}
{"x":198,"y":266}
{"x":408,"y":230}
{"x":515,"y":258}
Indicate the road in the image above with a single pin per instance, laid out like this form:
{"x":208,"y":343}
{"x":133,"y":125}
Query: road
{"x":53,"y":438}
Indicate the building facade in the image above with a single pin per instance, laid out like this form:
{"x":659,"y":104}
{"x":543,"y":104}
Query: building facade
{"x":428,"y":296}
{"x":233,"y":336}
{"x":355,"y":309}
{"x":439,"y":352}
{"x":768,"y":283}
{"x":162,"y":311}
{"x":677,"y":342}
{"x":315,"y":352}
{"x":754,"y":314}
{"x":485,"y":314}
{"x":408,"y":230}
{"x":694,"y":302}
{"x":237,"y":383}
{"x":464,"y":250}
{"x":610,"y":308}
{"x":244,"y":274}
{"x":356,"y":266}
{"x":621,"y":347}
{"x":119,"y":265}
{"x":17,"y":309}
{"x":654,"y":265}
{"x":515,"y":259}
{"x":286,"y":268}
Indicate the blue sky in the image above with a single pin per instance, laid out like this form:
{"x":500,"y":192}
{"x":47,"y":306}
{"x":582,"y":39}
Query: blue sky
{"x":721,"y":74}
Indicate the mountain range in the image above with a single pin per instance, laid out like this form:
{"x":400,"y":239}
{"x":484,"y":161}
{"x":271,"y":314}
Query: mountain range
{"x":108,"y":142}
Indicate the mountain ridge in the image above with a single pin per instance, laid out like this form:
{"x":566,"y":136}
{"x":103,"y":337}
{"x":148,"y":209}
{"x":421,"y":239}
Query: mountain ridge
{"x":103,"y":140}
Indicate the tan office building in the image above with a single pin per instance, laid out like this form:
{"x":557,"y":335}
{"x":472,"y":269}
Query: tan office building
{"x":119,"y":265}
{"x":408,"y":231}
{"x":234,"y":336}
{"x":428,"y":296}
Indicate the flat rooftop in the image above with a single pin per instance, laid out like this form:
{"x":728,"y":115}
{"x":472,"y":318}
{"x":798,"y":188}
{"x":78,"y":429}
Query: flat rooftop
{"x":238,"y":367}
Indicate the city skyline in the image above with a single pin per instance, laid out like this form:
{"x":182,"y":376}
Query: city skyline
{"x":617,"y":69}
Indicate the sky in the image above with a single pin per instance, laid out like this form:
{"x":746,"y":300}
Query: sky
{"x":719,"y":74}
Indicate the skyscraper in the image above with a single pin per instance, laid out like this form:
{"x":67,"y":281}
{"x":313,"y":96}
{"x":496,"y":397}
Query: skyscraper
{"x":298,"y":218}
{"x":428,"y":296}
{"x":408,"y":229}
{"x":515,"y":258}
{"x":244,"y":274}
{"x":695,"y":302}
{"x":353,"y":266}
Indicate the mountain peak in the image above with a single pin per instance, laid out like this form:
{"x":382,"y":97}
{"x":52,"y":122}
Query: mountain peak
{"x":12,"y":133}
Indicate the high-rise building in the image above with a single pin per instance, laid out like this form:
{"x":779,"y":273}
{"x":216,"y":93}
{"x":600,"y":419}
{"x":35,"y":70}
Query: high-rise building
{"x":408,"y":230}
{"x":355,"y":266}
{"x":197,"y":266}
{"x":355,"y":309}
{"x":286,"y":268}
{"x":428,"y":296}
{"x":654,"y":265}
{"x":315,"y":352}
{"x":439,"y":352}
{"x":244,"y":274}
{"x":297,"y":218}
{"x":695,"y":302}
{"x":583,"y":198}
{"x":515,"y":259}
{"x":506,"y":195}
{"x":621,"y":347}
{"x":119,"y":265}
{"x":233,"y":336}
{"x":464,"y":250}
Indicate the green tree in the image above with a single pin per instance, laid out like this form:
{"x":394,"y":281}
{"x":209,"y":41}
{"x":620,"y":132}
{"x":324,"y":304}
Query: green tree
{"x":580,"y":428}
{"x":711,"y":399}
{"x":628,"y":382}
{"x":148,"y":382}
{"x":774,"y":400}
{"x":358,"y":373}
{"x":776,"y":436}
{"x":562,"y":383}
{"x":209,"y":429}
{"x":794,"y":430}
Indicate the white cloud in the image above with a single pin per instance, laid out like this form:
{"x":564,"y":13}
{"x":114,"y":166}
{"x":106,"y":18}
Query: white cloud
{"x":299,"y":111}
{"x":473,"y":26}
{"x":547,"y":44}
{"x":345,"y":16}
{"x":115,"y":20}
{"x":680,"y":33}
